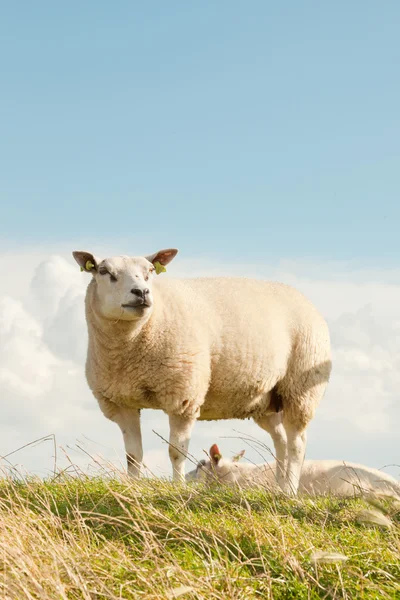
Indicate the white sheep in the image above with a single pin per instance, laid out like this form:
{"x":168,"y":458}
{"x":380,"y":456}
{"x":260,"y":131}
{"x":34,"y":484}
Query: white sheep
{"x":207,"y":348}
{"x":318,"y":477}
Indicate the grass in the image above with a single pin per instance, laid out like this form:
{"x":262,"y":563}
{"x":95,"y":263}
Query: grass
{"x":99,"y":538}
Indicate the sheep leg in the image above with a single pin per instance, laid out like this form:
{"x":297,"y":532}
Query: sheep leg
{"x":179,"y":438}
{"x":274,"y":426}
{"x":128,"y":420}
{"x":296,"y":446}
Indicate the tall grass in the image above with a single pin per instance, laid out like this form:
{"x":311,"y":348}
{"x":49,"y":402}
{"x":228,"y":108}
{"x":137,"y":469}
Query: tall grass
{"x":95,"y":538}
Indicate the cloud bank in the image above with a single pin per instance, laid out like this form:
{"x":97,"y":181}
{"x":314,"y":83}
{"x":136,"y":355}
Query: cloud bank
{"x":43,"y":348}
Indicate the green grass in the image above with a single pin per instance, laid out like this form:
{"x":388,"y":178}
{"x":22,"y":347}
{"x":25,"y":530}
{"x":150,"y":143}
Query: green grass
{"x":103,"y":538}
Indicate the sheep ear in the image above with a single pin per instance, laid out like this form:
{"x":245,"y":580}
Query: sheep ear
{"x":161,"y":258}
{"x":86,"y":261}
{"x":215,"y":454}
{"x":237,"y":457}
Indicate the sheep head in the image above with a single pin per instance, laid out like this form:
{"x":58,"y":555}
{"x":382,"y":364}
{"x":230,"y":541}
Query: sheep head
{"x":215,"y":467}
{"x":123,"y":284}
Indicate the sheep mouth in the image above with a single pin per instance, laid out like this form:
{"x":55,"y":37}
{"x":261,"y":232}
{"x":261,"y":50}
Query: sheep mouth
{"x":136,"y":305}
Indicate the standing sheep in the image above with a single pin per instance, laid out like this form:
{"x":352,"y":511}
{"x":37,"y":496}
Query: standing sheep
{"x":208,"y":349}
{"x":317,"y":476}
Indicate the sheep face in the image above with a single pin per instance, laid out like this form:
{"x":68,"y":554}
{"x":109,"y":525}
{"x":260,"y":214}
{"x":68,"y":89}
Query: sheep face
{"x":216,"y":468}
{"x":123,"y":284}
{"x":124,"y":288}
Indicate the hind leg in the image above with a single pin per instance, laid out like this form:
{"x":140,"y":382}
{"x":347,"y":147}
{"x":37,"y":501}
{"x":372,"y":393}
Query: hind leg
{"x":297,"y":413}
{"x":273,"y":424}
{"x":296,"y":449}
{"x":302,"y":389}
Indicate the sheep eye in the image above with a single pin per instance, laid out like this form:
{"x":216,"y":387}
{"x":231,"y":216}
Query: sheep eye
{"x":104,"y":271}
{"x":151,"y":271}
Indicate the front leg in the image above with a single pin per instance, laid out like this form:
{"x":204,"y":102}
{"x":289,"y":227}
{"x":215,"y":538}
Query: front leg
{"x":128,"y":420}
{"x":180,"y":429}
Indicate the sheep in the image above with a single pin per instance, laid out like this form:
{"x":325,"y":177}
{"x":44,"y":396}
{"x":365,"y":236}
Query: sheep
{"x":203,"y":348}
{"x":318,"y":477}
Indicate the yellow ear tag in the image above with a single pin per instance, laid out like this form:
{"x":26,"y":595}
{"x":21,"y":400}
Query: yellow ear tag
{"x":88,"y":267}
{"x":159,"y":268}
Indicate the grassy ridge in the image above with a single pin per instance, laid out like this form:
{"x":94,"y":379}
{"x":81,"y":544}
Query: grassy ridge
{"x":99,"y":538}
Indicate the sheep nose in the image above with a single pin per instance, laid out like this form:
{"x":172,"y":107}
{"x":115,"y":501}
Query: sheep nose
{"x":139,"y":292}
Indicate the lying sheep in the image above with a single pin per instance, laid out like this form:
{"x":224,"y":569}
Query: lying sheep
{"x":217,"y":348}
{"x":317,"y":476}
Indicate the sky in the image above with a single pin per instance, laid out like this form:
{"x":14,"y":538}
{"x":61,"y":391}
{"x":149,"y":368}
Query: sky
{"x":261,"y":139}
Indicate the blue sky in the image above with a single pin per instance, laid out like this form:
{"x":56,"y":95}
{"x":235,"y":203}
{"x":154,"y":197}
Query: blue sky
{"x":225,"y":128}
{"x":258,"y":134}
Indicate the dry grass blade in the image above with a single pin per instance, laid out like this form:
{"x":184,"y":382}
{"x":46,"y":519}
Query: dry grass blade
{"x":328,"y":557}
{"x":373,"y":518}
{"x":180,"y":591}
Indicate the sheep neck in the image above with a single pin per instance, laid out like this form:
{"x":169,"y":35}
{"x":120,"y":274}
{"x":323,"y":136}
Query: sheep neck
{"x":112,"y":335}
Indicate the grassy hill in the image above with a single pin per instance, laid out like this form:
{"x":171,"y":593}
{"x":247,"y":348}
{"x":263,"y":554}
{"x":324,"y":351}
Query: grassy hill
{"x":103,"y":538}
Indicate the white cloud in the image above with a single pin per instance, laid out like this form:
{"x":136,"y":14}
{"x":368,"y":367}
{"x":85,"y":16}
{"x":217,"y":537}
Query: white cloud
{"x":43,"y":347}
